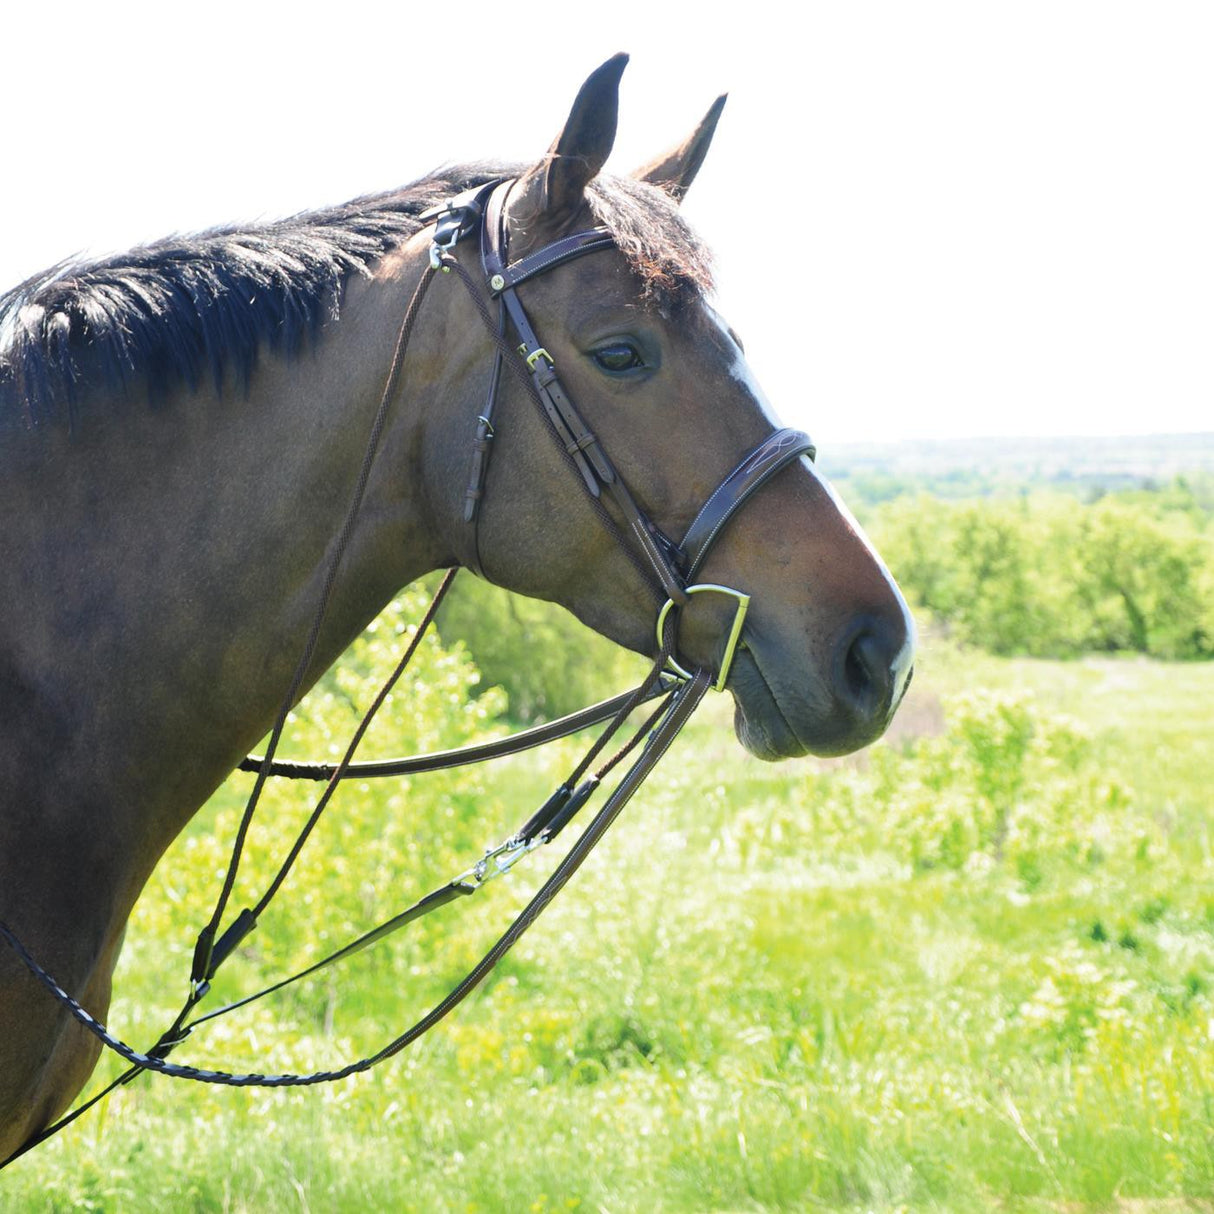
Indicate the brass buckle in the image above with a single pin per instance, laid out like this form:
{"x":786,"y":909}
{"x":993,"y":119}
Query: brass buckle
{"x":735,"y":631}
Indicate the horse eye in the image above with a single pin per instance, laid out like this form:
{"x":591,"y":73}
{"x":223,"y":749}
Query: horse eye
{"x":617,"y":357}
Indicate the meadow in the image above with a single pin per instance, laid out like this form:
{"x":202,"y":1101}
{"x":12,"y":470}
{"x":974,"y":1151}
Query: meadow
{"x":971,"y":969}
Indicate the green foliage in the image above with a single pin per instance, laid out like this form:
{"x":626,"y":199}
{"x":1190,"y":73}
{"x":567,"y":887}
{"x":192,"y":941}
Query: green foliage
{"x":548,"y":663}
{"x":1146,"y":578}
{"x":1008,"y":785}
{"x":1051,"y":577}
{"x":968,"y":973}
{"x":376,"y":844}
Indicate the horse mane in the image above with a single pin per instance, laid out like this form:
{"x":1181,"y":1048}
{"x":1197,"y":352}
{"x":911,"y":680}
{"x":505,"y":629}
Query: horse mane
{"x":189,"y":308}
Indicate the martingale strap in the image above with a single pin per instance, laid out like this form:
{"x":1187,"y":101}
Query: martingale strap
{"x":441,"y":760}
{"x":684,"y":700}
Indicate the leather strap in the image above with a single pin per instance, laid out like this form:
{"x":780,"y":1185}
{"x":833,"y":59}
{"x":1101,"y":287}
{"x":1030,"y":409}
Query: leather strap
{"x":674,"y":566}
{"x":442,"y":759}
{"x":757,"y":467}
{"x":685,"y":701}
{"x":560,"y":251}
{"x":579,"y":440}
{"x":482,"y":449}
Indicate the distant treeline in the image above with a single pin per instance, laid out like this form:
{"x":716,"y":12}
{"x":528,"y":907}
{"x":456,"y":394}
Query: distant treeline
{"x":1049,"y":575}
{"x":1088,"y":468}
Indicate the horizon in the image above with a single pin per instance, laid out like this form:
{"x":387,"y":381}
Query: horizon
{"x":937,"y":223}
{"x":1177,"y":436}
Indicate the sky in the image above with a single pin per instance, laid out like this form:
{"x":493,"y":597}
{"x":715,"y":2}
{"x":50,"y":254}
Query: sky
{"x":930,"y":219}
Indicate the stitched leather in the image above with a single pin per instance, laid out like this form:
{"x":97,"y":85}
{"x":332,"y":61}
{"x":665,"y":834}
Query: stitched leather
{"x":554,"y":254}
{"x":674,"y":566}
{"x":757,"y":467}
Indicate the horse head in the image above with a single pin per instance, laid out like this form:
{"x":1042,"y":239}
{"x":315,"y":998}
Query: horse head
{"x":663,"y":383}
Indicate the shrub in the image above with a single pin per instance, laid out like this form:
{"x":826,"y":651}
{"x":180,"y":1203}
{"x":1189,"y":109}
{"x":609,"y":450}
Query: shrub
{"x":1008,"y":783}
{"x":1048,"y":576}
{"x":547,"y":661}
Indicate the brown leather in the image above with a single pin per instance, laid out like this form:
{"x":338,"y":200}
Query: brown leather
{"x":557,"y":253}
{"x":673,"y":566}
{"x":439,"y":760}
{"x":580,"y":441}
{"x":758,"y":466}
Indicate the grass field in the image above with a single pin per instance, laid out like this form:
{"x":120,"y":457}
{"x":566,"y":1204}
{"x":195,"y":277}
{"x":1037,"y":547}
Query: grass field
{"x":971,"y":970}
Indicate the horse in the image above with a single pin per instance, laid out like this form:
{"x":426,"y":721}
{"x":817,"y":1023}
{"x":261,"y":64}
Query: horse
{"x":181,"y":427}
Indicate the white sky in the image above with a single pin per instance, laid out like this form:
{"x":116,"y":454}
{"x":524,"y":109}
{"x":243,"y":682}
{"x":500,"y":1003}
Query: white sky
{"x":931,"y":219}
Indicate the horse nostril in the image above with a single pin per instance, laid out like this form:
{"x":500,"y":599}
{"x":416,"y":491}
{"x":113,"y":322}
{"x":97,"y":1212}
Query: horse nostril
{"x":867,"y":676}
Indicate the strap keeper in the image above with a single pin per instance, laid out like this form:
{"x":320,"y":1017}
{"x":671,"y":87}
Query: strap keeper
{"x":542,"y":818}
{"x":203,"y":950}
{"x":239,"y":928}
{"x":172,"y":1039}
{"x":574,"y":445}
{"x":575,"y":802}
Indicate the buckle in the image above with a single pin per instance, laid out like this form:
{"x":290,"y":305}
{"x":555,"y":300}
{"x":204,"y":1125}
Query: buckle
{"x":735,"y":631}
{"x":453,"y":220}
{"x":535,"y":355}
{"x":449,"y":228}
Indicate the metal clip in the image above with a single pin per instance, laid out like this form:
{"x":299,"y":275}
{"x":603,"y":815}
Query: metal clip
{"x":450,"y":226}
{"x":499,"y":860}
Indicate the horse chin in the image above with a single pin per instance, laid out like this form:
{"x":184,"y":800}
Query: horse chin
{"x":758,"y":721}
{"x":767,"y":736}
{"x":773,"y":725}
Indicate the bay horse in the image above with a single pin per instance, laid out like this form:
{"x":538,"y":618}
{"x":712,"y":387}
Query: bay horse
{"x":179,"y":430}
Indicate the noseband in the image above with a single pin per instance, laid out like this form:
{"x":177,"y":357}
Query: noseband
{"x":669,"y":568}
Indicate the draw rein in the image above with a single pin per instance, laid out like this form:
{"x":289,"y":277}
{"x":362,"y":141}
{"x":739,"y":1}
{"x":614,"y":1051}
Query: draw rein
{"x":667,"y":568}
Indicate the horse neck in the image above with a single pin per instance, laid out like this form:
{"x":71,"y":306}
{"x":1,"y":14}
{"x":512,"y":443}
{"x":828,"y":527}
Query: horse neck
{"x":161,"y":568}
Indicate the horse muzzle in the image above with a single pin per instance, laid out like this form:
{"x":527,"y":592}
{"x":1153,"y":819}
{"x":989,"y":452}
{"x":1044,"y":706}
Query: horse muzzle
{"x":835,"y":706}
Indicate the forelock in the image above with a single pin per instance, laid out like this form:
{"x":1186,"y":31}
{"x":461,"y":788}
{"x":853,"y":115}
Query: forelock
{"x":649,"y":229}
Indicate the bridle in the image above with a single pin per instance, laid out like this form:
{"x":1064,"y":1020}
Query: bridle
{"x":668,"y":568}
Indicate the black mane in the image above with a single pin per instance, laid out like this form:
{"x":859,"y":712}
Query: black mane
{"x":188,"y":308}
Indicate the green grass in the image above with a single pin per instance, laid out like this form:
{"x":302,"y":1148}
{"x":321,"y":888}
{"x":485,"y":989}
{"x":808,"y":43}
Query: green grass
{"x":770,"y":989}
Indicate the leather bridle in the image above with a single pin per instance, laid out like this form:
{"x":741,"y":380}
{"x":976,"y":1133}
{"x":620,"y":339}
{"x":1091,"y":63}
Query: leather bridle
{"x":669,"y":569}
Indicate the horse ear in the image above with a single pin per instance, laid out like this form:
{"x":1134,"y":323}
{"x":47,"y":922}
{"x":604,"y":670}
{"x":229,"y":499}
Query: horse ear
{"x":557,"y":184}
{"x":675,"y":171}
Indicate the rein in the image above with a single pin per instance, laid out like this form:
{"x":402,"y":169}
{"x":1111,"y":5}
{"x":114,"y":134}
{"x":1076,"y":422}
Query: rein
{"x":666,"y":567}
